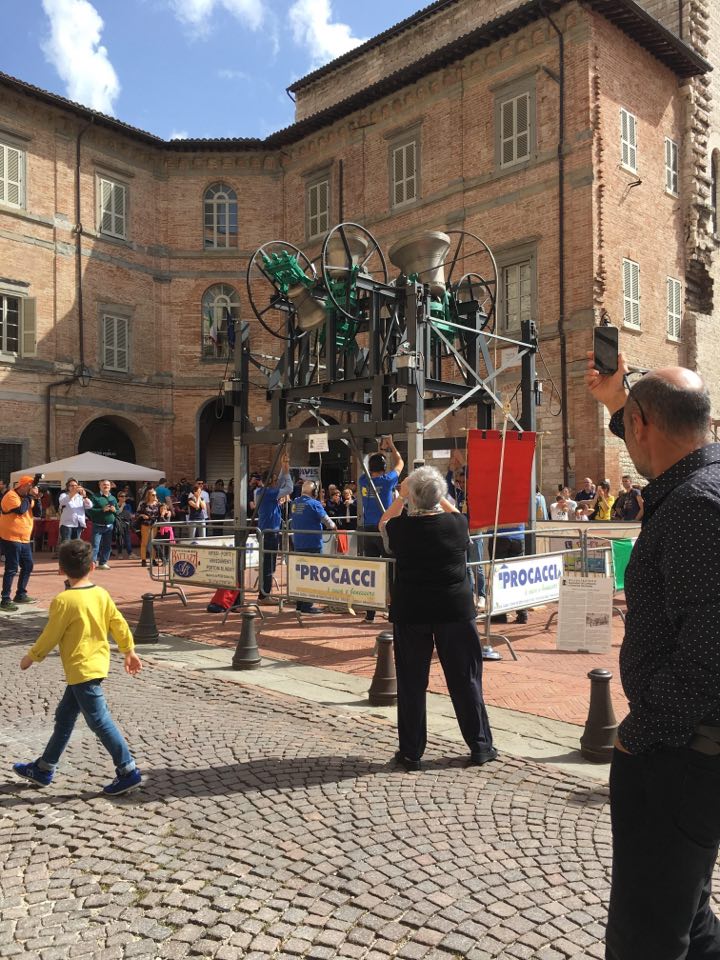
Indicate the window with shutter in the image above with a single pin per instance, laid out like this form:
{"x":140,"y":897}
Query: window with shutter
{"x":674,"y":308}
{"x":116,"y":343}
{"x":113,"y":208}
{"x":517,"y":295}
{"x":671,"y":167}
{"x":404,"y":173}
{"x":515,"y":118}
{"x":631,"y":293}
{"x":10,"y":324}
{"x":628,"y":140}
{"x":318,"y":204}
{"x":12,"y":171}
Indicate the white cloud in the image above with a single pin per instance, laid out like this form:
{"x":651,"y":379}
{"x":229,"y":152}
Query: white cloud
{"x":198,"y":13}
{"x":75,"y":50}
{"x":227,"y":73}
{"x":312,"y":27}
{"x":179,"y":135}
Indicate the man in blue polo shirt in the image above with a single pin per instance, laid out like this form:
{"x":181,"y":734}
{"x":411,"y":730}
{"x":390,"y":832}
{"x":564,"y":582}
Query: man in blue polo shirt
{"x":384,"y":480}
{"x":308,"y":515}
{"x":269,"y":518}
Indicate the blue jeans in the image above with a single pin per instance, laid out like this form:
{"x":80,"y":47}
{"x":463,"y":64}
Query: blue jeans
{"x":101,"y":542}
{"x":70,"y":533}
{"x":18,"y":556}
{"x":86,"y":698}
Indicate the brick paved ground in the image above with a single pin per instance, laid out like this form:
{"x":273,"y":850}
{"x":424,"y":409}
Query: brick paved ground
{"x":275,"y":828}
{"x":544,"y":682}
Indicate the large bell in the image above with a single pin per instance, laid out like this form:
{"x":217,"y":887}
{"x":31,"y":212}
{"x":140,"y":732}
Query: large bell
{"x":336,"y":256}
{"x":423,"y":254}
{"x":309,"y":309}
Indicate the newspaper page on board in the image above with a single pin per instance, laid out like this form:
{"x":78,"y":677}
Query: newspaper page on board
{"x":585,"y":614}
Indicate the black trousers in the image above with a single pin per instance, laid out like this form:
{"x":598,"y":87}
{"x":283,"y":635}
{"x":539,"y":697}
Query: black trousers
{"x":507,"y":547}
{"x":458,"y":647}
{"x":271,"y":545}
{"x":665,"y":810}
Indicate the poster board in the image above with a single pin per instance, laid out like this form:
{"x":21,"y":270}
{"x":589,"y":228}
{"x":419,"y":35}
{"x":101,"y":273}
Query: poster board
{"x":585,"y":614}
{"x":526,"y":582}
{"x":338,"y":580}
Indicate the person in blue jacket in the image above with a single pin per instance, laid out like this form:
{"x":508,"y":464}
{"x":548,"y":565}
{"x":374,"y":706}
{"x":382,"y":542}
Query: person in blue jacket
{"x":269,"y":519}
{"x":307,"y":519}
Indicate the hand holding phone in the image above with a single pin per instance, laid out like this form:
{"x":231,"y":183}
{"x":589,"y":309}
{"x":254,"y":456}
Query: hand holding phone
{"x":605,"y":349}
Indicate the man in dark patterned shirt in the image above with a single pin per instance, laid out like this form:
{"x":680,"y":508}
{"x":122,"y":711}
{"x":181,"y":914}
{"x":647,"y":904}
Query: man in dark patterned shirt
{"x":665,"y":775}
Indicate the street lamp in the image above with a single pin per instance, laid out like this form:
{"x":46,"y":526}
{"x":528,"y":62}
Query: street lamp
{"x":84,"y":376}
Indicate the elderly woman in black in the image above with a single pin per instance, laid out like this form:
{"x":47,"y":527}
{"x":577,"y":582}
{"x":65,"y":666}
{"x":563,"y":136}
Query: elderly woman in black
{"x":432,"y":605}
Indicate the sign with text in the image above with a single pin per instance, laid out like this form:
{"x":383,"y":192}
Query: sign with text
{"x":336,"y":580}
{"x":318,"y":443}
{"x":585,"y":614}
{"x":204,"y":565}
{"x":526,"y":582}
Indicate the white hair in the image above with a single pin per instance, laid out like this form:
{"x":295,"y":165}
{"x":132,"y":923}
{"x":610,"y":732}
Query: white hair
{"x":426,"y":488}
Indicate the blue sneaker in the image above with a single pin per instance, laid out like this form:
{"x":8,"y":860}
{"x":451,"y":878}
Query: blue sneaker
{"x":33,"y":773}
{"x":124,"y":783}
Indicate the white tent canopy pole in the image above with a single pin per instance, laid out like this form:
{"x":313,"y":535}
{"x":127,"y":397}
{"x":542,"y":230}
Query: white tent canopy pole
{"x":90,"y":466}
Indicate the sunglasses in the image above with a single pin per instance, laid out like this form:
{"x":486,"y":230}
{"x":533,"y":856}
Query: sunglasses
{"x":637,"y":375}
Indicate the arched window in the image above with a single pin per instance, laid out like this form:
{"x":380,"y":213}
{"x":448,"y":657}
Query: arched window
{"x":220,"y":310}
{"x":220,"y":217}
{"x":714,"y":187}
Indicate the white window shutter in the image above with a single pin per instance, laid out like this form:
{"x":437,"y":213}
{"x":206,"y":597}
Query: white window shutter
{"x":522,"y":127}
{"x":323,"y":207}
{"x":121,"y":343}
{"x":507,"y":125}
{"x":119,"y":209}
{"x":29,"y":328}
{"x":109,"y":342}
{"x":398,"y":175}
{"x":106,"y":220}
{"x":3,"y":165}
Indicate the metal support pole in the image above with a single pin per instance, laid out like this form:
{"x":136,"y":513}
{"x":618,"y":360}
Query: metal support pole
{"x":528,"y":418}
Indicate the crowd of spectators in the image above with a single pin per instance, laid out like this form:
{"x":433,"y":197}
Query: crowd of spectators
{"x":594,"y":502}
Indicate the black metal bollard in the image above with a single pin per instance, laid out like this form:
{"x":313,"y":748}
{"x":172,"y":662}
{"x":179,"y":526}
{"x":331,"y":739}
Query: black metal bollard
{"x":596,"y":743}
{"x":383,"y":689}
{"x":247,"y":656}
{"x":146,"y":630}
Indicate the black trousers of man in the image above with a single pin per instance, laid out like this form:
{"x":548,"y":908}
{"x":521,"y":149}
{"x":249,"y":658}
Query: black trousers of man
{"x":458,"y":647}
{"x":665,"y":810}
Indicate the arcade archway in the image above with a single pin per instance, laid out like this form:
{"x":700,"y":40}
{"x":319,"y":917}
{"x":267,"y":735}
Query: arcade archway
{"x":109,"y":438}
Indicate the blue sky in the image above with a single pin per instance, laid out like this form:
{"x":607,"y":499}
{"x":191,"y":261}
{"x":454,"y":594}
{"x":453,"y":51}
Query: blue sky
{"x":199,"y":68}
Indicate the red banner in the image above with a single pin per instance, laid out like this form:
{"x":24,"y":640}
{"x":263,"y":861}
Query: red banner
{"x":483,"y":477}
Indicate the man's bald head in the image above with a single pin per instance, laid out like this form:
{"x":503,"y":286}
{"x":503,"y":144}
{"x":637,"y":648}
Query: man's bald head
{"x":673,"y":399}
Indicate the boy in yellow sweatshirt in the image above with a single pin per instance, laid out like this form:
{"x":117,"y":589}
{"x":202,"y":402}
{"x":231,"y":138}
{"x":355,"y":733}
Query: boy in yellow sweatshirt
{"x":80,"y":619}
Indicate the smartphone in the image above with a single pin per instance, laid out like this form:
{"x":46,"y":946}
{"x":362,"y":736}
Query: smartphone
{"x":605,"y":349}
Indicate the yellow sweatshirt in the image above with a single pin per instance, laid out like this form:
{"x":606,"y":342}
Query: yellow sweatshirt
{"x":80,"y":620}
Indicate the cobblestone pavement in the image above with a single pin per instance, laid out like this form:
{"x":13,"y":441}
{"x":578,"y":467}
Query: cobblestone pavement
{"x":270,"y":827}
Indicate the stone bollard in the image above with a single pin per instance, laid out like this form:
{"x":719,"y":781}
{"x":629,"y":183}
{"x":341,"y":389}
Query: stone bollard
{"x":596,"y":743}
{"x":383,"y":689}
{"x":247,"y":656}
{"x":146,"y":631}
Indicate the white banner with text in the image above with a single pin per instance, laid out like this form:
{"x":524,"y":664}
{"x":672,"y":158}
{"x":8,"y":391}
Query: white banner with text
{"x":337,"y":580}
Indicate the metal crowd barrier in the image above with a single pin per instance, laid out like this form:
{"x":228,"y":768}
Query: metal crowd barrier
{"x":350,"y":581}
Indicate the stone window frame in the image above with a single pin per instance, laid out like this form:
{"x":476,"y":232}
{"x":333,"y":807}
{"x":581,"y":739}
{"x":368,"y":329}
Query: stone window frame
{"x":26,"y":326}
{"x":119,"y":315}
{"x":512,"y":92}
{"x":632,"y":299}
{"x":233,"y":304}
{"x":115,"y":182}
{"x":674,"y":309}
{"x":313,"y":183}
{"x":401,"y":140}
{"x":211,"y":207}
{"x":518,"y":256}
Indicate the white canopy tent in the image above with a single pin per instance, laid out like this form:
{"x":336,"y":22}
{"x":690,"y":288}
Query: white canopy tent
{"x":89,"y":466}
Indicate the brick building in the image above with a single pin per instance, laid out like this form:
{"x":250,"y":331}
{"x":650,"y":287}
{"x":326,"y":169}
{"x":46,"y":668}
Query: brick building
{"x":122,"y":256}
